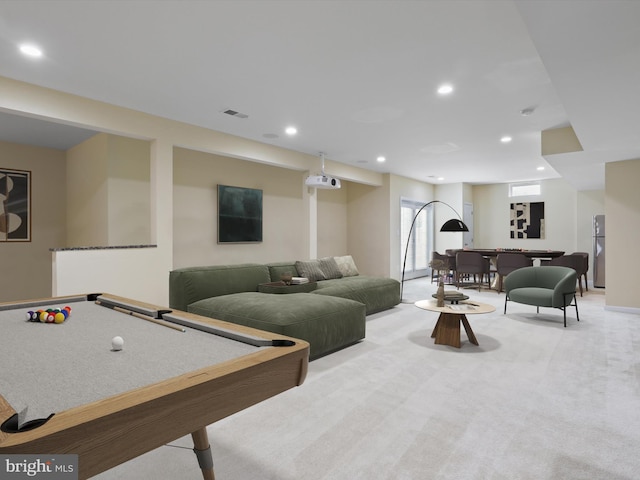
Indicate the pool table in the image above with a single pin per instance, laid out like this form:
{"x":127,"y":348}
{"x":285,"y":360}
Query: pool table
{"x":64,"y":389}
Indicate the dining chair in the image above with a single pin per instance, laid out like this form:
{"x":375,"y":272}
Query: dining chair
{"x":472,"y":263}
{"x":583,"y":272}
{"x":438,"y":264}
{"x":572,"y":261}
{"x":507,"y":263}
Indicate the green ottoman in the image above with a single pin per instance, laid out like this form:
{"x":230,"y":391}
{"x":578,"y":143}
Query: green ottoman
{"x":327,"y":323}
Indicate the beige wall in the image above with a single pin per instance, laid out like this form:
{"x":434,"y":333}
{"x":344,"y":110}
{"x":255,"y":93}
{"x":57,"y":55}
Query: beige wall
{"x":195,"y":235}
{"x":333,"y":221}
{"x":129,"y":191}
{"x":108,"y":199}
{"x":25,"y":267}
{"x":285,"y":212}
{"x":368,"y":229}
{"x":491,"y":212}
{"x":87,"y":193}
{"x":622,"y":210}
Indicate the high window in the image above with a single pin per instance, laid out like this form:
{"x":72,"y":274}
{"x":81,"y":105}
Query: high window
{"x":524,"y":189}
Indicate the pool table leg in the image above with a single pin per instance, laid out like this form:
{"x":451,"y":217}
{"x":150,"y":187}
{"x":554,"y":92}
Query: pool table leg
{"x":202,"y":449}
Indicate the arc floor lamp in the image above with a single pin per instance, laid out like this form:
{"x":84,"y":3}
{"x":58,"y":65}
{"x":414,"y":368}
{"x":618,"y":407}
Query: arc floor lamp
{"x":451,"y":225}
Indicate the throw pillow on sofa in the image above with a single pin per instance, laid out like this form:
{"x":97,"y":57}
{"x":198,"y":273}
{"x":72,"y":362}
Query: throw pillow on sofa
{"x":310,"y":269}
{"x":329,"y":267}
{"x":347,"y":266}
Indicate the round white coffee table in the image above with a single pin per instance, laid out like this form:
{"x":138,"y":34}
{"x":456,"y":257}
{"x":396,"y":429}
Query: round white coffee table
{"x":447,"y":329}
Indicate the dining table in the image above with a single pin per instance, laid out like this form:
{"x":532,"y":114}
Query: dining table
{"x":494,"y":252}
{"x":492,"y":255}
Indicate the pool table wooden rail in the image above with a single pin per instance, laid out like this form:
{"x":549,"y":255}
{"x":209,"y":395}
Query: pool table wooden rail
{"x":116,"y":429}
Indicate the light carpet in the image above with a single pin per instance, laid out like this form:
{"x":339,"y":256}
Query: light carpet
{"x":533,"y":401}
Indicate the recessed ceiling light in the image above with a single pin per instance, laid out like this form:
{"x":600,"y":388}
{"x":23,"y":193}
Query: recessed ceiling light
{"x":445,"y":89}
{"x":381,"y":159}
{"x":540,"y":169}
{"x":506,"y":139}
{"x":291,"y":130}
{"x":31,"y":50}
{"x":440,"y":178}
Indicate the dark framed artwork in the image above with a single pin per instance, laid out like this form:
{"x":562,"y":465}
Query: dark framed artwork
{"x":15,"y":205}
{"x":239,"y":214}
{"x":527,"y":220}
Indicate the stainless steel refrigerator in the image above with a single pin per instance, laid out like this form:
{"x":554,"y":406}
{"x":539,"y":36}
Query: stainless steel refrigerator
{"x":598,"y":251}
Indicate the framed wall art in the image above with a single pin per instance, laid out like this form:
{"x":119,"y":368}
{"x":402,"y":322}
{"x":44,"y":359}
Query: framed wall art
{"x":239,"y":214}
{"x":527,"y":220}
{"x":15,"y":205}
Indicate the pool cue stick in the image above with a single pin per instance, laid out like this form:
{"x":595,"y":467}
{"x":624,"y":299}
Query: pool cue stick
{"x":143,"y":317}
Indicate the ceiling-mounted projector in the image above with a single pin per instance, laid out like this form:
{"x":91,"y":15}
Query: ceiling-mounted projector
{"x":322,"y":181}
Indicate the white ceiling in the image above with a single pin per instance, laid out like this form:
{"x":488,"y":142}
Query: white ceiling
{"x":357,"y":78}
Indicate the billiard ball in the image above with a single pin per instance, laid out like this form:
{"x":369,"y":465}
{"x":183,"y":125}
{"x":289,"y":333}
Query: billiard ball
{"x":59,"y":317}
{"x":117,"y":343}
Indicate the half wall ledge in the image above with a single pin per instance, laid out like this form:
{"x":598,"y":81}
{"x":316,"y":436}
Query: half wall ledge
{"x":64,"y":249}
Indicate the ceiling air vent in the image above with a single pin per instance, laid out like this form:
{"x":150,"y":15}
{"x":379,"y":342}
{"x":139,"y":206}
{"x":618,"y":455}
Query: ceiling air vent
{"x":233,"y":113}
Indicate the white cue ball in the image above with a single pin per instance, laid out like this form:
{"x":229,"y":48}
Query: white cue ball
{"x":117,"y":343}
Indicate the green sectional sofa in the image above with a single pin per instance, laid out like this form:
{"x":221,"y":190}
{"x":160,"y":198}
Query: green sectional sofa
{"x":328,"y":313}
